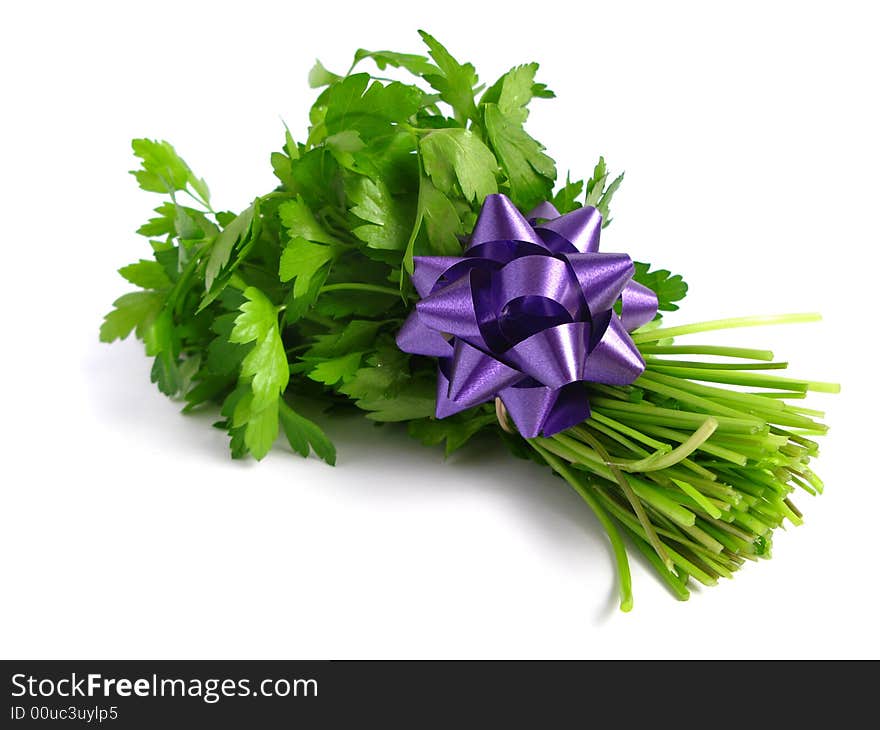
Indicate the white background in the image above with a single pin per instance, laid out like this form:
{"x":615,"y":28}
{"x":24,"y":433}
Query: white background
{"x":749,"y":137}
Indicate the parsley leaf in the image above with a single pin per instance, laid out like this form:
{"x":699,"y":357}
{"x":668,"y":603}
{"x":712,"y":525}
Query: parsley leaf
{"x":388,"y":391}
{"x":320,"y":76}
{"x":238,"y":236}
{"x":368,"y":108}
{"x":163,"y":171}
{"x":266,"y":363}
{"x":566,"y":197}
{"x":442,"y":221}
{"x":335,"y":369}
{"x":301,"y":260}
{"x":343,"y":146}
{"x":162,"y":343}
{"x":453,"y":431}
{"x":358,"y":334}
{"x":413,"y":399}
{"x":135,"y":311}
{"x":599,"y":193}
{"x":303,"y":434}
{"x":415,"y":64}
{"x":514,"y":90}
{"x":455,"y":82}
{"x":146,"y":275}
{"x":259,"y":426}
{"x":264,"y":367}
{"x":299,"y":221}
{"x":389,"y":220}
{"x":224,"y":357}
{"x":442,"y":224}
{"x":668,"y":288}
{"x":530,"y":173}
{"x":458,"y":155}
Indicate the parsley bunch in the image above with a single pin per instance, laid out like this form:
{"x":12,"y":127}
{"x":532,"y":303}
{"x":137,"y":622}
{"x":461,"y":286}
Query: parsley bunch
{"x":298,"y":297}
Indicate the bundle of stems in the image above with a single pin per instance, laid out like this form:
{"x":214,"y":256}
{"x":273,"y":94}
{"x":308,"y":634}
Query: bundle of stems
{"x":696,"y":473}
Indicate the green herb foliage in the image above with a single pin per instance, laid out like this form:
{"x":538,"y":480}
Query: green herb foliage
{"x":299,"y":296}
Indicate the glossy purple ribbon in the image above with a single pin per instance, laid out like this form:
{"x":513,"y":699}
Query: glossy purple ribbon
{"x":526,"y":315}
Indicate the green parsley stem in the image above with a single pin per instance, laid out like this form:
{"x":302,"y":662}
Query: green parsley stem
{"x":664,"y":459}
{"x":723,"y":324}
{"x":668,"y":362}
{"x":651,"y":414}
{"x":634,"y":501}
{"x":755,"y":380}
{"x":624,"y":576}
{"x":353,"y":286}
{"x":675,"y":583}
{"x":710,"y":447}
{"x":744,"y":353}
{"x":206,"y":205}
{"x":698,"y":402}
{"x":624,"y":429}
{"x":632,"y":524}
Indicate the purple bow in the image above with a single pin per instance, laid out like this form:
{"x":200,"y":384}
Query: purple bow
{"x":527,"y":315}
